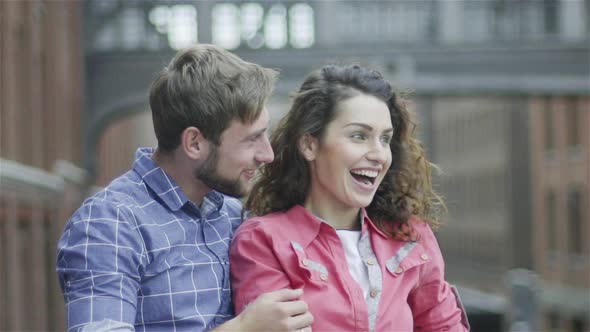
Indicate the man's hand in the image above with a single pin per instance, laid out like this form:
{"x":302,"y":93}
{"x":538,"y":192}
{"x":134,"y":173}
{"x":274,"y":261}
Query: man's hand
{"x":280,"y":310}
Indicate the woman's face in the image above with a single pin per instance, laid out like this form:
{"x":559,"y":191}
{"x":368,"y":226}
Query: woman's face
{"x":349,"y":163}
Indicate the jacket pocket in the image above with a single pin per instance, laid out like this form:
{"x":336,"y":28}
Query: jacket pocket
{"x":310,"y":268}
{"x":409,"y":256}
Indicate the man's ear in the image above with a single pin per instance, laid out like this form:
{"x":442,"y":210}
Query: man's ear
{"x":308,"y":146}
{"x":193,"y":143}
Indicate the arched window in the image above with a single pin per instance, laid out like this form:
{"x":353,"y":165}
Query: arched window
{"x":179,"y":22}
{"x":301,"y":26}
{"x":275,"y":27}
{"x":226,"y":26}
{"x":248,"y":24}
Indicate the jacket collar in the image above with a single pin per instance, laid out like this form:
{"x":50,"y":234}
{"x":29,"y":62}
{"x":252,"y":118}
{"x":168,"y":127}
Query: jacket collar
{"x":308,"y":226}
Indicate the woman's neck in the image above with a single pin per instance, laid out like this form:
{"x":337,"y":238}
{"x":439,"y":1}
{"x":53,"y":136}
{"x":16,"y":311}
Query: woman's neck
{"x":346,"y":218}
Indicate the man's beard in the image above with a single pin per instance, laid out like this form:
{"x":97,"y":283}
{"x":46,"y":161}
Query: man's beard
{"x":207,"y":174}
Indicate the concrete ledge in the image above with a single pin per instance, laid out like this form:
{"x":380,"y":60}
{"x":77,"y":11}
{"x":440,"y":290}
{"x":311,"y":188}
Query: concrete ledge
{"x":22,"y":180}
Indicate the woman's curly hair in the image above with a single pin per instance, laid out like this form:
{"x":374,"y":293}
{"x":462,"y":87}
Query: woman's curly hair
{"x":406,"y":189}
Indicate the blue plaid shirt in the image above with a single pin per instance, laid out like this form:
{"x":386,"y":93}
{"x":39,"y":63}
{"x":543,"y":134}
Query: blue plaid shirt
{"x":139,"y":252}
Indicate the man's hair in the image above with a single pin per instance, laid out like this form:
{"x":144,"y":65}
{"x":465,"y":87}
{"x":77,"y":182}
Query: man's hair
{"x":207,"y":87}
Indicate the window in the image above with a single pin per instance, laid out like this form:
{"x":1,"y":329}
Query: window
{"x":572,"y":114}
{"x":549,"y":126}
{"x":226,"y":26}
{"x":477,"y":20}
{"x":182,"y":27}
{"x":252,"y":18}
{"x":131,"y":25}
{"x":551,"y":11}
{"x":551,"y":218}
{"x":179,"y":22}
{"x":275,"y":27}
{"x":301,"y":26}
{"x":574,"y":217}
{"x":248,"y":24}
{"x":533,"y":19}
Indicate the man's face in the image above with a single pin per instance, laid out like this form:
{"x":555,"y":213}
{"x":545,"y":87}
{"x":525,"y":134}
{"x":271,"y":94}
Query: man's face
{"x":231,"y":166}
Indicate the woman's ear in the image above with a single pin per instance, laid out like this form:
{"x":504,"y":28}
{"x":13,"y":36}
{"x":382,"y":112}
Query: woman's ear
{"x":308,"y":146}
{"x":192,"y":143}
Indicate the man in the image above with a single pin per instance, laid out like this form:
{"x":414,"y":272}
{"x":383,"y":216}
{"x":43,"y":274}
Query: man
{"x":150,"y":251}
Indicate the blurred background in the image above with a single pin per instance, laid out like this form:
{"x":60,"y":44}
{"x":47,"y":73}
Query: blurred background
{"x":501,"y":89}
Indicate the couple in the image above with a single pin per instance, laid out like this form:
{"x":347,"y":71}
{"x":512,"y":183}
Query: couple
{"x":339,"y":223}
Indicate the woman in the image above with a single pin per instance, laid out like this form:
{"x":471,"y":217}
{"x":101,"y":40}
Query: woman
{"x":345,"y":212}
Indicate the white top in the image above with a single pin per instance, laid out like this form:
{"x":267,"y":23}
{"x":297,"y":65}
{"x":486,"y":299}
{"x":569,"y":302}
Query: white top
{"x":356,"y":266}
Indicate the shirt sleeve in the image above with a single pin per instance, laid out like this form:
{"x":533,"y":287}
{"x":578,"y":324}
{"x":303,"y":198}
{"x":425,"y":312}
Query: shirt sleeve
{"x":98,"y":265}
{"x":255,"y":268}
{"x":107,"y":325}
{"x":435,"y":306}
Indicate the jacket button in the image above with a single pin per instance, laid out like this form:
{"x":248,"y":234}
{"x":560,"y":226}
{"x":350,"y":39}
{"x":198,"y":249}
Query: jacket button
{"x":374,"y":292}
{"x":424,"y":257}
{"x":398,"y":270}
{"x":304,"y":262}
{"x":370,"y":261}
{"x":324,"y":277}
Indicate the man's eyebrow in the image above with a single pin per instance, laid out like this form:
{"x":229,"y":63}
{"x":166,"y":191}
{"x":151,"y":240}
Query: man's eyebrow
{"x":366,"y":126}
{"x":256,"y":133}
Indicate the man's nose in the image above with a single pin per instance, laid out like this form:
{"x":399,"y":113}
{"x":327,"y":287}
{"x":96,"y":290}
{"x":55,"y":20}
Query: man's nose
{"x":265,"y":153}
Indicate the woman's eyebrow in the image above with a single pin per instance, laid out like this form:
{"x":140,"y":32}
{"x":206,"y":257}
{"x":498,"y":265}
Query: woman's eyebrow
{"x":367,"y":127}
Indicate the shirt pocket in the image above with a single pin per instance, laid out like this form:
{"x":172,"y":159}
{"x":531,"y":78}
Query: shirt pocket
{"x":308,"y":268}
{"x":410,"y":256}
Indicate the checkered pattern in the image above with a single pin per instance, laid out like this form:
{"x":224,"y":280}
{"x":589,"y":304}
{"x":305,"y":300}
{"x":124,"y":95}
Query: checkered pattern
{"x":139,"y":252}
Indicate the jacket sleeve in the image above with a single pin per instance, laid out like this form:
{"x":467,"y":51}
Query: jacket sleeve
{"x":255,"y":268}
{"x":435,"y":304}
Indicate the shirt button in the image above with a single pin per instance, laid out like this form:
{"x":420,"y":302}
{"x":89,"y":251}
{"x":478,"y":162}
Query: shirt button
{"x":424,"y":257}
{"x":398,"y":270}
{"x":304,"y":262}
{"x":370,"y":261}
{"x":374,"y":292}
{"x":324,"y":277}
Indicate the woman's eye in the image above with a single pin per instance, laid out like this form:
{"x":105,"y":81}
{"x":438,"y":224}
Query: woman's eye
{"x":358,"y":136}
{"x":386,"y":139}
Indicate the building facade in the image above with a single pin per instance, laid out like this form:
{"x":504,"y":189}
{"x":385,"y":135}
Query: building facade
{"x":41,"y":98}
{"x":560,"y":146}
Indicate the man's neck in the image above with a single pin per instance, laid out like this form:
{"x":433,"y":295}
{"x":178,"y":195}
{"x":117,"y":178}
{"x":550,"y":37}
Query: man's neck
{"x":182,"y":172}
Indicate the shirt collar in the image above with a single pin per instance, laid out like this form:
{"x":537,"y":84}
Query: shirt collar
{"x":157,"y":180}
{"x":164,"y":186}
{"x":212,"y":202}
